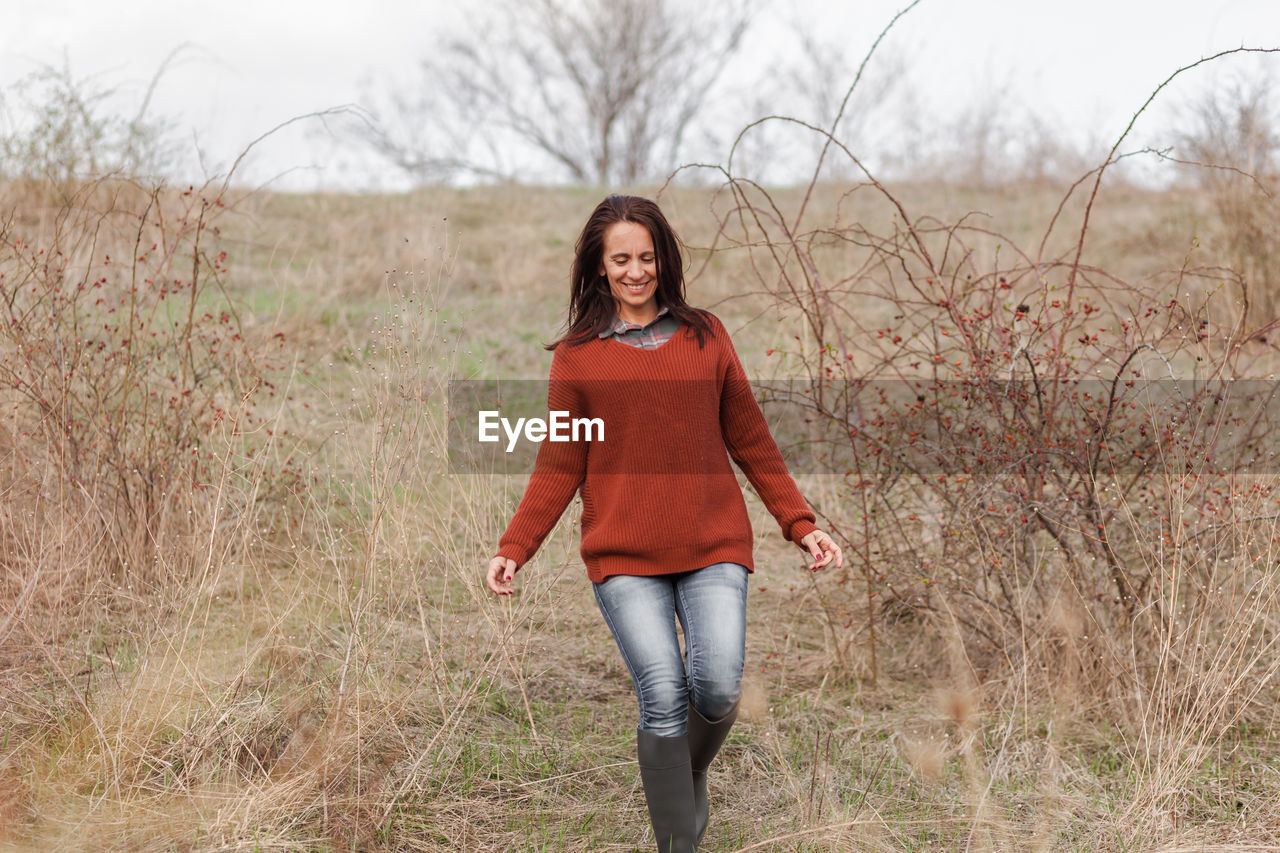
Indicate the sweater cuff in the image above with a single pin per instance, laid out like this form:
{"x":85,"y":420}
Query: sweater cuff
{"x":800,"y":529}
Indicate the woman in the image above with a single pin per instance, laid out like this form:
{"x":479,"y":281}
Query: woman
{"x":665,"y":533}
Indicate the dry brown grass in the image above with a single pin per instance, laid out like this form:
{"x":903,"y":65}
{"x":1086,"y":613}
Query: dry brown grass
{"x":335,"y":676}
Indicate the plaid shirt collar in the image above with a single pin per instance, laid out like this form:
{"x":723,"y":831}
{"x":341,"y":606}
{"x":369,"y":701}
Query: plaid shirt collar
{"x":621,"y":326}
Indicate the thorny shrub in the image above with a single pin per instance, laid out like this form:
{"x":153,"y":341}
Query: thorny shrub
{"x":128,"y":386}
{"x":1031,"y":451}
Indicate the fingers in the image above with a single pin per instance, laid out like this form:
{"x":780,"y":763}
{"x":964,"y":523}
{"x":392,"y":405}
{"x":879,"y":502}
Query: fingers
{"x":816,"y":551}
{"x":813,"y":544}
{"x":821,"y":560}
{"x":835,"y":555}
{"x":501,"y":571}
{"x":823,"y":549}
{"x":491,"y":578}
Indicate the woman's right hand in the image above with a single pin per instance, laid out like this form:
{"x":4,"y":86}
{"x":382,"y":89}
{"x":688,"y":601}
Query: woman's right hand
{"x":501,"y":571}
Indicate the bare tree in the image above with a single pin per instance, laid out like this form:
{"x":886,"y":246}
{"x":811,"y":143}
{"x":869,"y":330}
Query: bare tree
{"x":808,"y":83}
{"x":600,"y":91}
{"x":1233,"y":134}
{"x":59,"y":127}
{"x":1236,"y":125}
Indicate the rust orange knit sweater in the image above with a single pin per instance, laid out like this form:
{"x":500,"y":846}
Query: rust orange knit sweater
{"x":658,"y":493}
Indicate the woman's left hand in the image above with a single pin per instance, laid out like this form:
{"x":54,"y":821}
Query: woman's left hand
{"x":823,"y":549}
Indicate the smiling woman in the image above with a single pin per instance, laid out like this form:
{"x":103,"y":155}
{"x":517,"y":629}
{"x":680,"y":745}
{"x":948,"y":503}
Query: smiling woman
{"x":627,"y":268}
{"x":632,"y":270}
{"x":665,"y":533}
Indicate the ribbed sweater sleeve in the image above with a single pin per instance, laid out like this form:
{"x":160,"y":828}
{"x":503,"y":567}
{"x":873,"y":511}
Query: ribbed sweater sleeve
{"x":751,"y":446}
{"x":557,"y":474}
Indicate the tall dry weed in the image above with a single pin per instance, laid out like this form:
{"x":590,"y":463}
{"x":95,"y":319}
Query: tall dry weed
{"x":1063,"y":472}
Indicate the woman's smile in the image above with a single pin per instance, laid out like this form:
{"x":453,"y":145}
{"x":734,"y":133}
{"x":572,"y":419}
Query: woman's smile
{"x":631,"y":268}
{"x":659,"y":549}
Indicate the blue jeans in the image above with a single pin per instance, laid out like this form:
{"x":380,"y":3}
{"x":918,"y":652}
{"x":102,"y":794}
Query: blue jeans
{"x":711,"y":604}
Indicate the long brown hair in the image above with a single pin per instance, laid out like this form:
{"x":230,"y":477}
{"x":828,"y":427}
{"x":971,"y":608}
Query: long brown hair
{"x":591,"y":305}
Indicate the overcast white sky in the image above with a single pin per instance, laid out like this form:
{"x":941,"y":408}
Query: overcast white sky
{"x":251,"y":64}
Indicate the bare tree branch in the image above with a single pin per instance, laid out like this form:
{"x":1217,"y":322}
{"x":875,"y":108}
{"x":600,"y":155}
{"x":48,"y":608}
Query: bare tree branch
{"x":599,"y":91}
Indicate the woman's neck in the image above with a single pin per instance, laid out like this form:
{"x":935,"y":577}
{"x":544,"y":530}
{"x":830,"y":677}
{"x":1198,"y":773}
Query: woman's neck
{"x":638,"y":318}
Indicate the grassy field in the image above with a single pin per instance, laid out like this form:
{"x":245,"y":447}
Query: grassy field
{"x":299,"y":653}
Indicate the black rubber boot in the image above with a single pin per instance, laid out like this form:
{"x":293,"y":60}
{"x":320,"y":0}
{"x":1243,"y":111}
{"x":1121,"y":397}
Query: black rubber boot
{"x":668,"y":788}
{"x":705,"y":740}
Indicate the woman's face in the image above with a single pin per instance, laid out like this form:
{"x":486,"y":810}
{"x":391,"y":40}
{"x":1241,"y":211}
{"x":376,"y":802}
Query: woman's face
{"x":632,"y":270}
